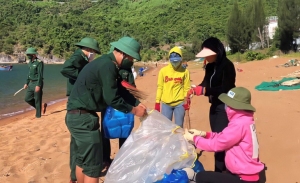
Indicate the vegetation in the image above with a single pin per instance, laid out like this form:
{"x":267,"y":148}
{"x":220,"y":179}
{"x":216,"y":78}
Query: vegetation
{"x":55,"y":27}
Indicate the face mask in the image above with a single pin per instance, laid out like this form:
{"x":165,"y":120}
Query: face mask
{"x":91,"y":56}
{"x":175,"y":64}
{"x":126,"y":64}
{"x":30,"y":57}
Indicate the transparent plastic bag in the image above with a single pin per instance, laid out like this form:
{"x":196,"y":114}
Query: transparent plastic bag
{"x":155,"y":148}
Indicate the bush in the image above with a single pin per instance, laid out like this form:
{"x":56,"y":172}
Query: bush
{"x":250,"y":56}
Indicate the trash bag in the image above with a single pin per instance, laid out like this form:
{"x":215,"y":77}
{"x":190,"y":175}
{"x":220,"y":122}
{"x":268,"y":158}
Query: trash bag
{"x":176,"y":176}
{"x":117,"y":124}
{"x":155,"y":148}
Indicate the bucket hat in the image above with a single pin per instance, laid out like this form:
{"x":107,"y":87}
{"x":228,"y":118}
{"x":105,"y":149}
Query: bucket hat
{"x":128,"y":46}
{"x":238,"y":98}
{"x":31,"y":50}
{"x":89,"y":43}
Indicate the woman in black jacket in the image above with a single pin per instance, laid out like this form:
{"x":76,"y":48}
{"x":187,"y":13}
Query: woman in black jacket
{"x":219,"y":78}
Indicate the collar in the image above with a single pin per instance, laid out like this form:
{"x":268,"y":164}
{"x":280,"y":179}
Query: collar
{"x":83,"y":55}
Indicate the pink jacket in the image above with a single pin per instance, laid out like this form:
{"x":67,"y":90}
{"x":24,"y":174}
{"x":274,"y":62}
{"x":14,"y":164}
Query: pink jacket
{"x":240,"y":143}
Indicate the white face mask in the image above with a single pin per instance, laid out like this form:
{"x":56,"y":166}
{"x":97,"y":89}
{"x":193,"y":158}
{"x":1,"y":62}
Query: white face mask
{"x":91,"y":56}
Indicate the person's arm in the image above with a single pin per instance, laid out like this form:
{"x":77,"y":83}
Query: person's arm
{"x":160,"y":86}
{"x":216,"y":142}
{"x":27,"y":80}
{"x":108,"y":75}
{"x":228,"y":81}
{"x":71,"y":66}
{"x":40,"y":70}
{"x":187,"y":82}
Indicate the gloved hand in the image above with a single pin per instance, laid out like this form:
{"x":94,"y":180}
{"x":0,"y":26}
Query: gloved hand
{"x":197,"y":132}
{"x":187,"y":103}
{"x":157,"y":107}
{"x":198,"y":90}
{"x":188,"y":136}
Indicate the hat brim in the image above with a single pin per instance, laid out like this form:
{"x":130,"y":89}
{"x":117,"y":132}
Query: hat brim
{"x":124,"y":49}
{"x":205,"y":52}
{"x":31,"y":53}
{"x":235,"y":104}
{"x":87,"y":46}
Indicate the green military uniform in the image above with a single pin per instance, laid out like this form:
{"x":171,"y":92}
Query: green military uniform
{"x":71,"y":70}
{"x":97,"y":86}
{"x":35,"y":78}
{"x":127,"y":75}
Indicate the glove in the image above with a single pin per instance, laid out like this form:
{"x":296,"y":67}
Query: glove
{"x":188,"y":136}
{"x":197,"y":132}
{"x":157,"y":107}
{"x":187,"y":104}
{"x":198,"y":90}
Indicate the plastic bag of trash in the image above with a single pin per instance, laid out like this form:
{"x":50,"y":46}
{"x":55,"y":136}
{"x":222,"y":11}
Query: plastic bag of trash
{"x":176,"y":176}
{"x":155,"y":148}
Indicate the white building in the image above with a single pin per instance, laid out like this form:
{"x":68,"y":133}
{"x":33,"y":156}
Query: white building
{"x":271,"y":27}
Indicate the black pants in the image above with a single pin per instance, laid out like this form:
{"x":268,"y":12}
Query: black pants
{"x":106,"y":142}
{"x":217,"y":177}
{"x":218,"y":121}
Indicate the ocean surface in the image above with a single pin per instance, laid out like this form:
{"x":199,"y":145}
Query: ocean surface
{"x":11,"y":81}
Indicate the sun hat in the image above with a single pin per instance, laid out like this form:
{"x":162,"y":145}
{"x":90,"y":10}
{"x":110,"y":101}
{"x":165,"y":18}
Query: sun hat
{"x":205,"y":52}
{"x":238,"y":98}
{"x":89,"y":43}
{"x":30,"y":51}
{"x":128,"y":46}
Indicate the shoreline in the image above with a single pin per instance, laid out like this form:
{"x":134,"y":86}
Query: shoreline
{"x":23,"y":113}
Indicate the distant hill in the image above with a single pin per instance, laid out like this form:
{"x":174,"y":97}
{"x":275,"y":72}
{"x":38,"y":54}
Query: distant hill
{"x":54,"y":27}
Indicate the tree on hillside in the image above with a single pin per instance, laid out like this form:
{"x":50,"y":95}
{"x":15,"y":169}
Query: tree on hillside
{"x":288,"y":23}
{"x":257,"y":20}
{"x":234,"y":27}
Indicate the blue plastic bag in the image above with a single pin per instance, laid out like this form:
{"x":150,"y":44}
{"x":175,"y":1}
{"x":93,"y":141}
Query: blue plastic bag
{"x":198,"y":167}
{"x":117,"y":124}
{"x":176,"y":176}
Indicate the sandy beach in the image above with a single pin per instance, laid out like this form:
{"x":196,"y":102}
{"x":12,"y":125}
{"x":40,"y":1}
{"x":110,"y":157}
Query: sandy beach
{"x":37,"y":151}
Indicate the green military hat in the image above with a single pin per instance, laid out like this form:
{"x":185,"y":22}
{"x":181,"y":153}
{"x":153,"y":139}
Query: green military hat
{"x":89,"y":43}
{"x":238,"y":98}
{"x":128,"y":46}
{"x":111,"y":49}
{"x":31,"y":50}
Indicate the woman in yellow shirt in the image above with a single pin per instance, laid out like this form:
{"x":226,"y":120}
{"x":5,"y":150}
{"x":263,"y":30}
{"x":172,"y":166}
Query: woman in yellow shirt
{"x":172,"y":87}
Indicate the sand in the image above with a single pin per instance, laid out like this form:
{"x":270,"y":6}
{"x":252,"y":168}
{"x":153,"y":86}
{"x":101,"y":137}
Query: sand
{"x":37,"y":151}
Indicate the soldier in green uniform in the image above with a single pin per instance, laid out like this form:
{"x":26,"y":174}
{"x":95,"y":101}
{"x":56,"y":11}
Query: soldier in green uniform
{"x":71,"y":69}
{"x":98,"y":86}
{"x":125,"y":73}
{"x":34,"y":83}
{"x":82,"y":56}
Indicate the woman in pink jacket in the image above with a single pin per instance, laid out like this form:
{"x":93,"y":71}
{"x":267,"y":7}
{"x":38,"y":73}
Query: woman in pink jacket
{"x":238,"y":140}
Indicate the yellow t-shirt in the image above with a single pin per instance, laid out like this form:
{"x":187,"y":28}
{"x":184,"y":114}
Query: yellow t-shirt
{"x":172,"y":85}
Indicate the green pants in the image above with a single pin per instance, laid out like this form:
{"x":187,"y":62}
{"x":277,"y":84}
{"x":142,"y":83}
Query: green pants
{"x":86,"y":144}
{"x":34,"y":98}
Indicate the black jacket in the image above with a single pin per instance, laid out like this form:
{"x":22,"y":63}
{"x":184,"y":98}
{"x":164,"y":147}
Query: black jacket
{"x":219,"y":78}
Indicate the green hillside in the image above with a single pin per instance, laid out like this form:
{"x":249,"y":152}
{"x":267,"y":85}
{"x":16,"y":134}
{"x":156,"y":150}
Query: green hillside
{"x":54,"y":27}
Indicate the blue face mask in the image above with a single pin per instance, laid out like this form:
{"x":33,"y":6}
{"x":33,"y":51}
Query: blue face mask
{"x":175,"y":64}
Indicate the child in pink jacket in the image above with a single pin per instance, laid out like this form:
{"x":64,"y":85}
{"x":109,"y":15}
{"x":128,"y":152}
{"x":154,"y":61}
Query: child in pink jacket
{"x":238,"y":140}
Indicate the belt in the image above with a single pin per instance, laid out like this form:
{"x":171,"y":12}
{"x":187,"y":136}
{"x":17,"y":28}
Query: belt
{"x":79,"y":111}
{"x":32,"y":80}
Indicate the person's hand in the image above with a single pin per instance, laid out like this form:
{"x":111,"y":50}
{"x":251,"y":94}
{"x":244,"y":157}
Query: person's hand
{"x":197,"y":132}
{"x":37,"y":89}
{"x":187,"y":103}
{"x":139,"y":111}
{"x":25,"y":86}
{"x":198,"y":90}
{"x":188,"y":136}
{"x":157,"y":107}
